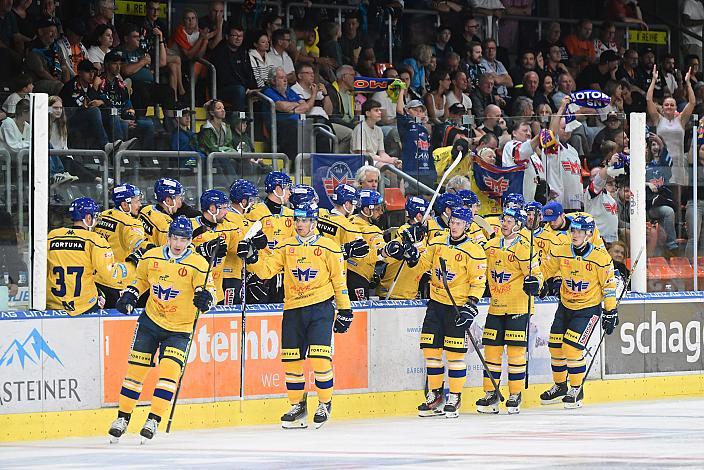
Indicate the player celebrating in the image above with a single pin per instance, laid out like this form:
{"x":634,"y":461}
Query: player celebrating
{"x":444,"y":205}
{"x":466,"y":276}
{"x":77,"y":260}
{"x":559,"y":223}
{"x":156,"y":218}
{"x":175,"y":276}
{"x":361,"y":270}
{"x":471,"y":202}
{"x":511,"y":280}
{"x":585,"y":274}
{"x":314,"y":272}
{"x":338,"y":226}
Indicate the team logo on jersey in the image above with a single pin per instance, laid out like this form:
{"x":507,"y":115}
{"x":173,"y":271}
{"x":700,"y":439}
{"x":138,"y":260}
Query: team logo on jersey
{"x":611,"y":208}
{"x":182,"y":272}
{"x":450,"y":274}
{"x":304,"y":275}
{"x":458,"y":257}
{"x":338,"y":173}
{"x":161,"y":293}
{"x":500,"y":277}
{"x":271,"y":244}
{"x":317,"y":251}
{"x":571,"y":167}
{"x":577,"y":286}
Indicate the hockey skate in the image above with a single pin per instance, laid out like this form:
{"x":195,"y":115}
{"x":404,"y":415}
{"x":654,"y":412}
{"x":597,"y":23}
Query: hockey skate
{"x":452,"y":406}
{"x":296,"y":417}
{"x":554,"y":395}
{"x":433,"y":404}
{"x":513,"y":404}
{"x":322,"y":414}
{"x":489,"y":404}
{"x":149,"y":429}
{"x":574,"y":398}
{"x":117,"y":429}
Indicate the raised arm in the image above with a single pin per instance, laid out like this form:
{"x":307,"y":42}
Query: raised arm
{"x":651,"y":108}
{"x":691,"y":100}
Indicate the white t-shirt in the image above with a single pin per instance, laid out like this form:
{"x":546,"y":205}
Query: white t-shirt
{"x":604,"y":209}
{"x":516,"y":152}
{"x":564,"y":175}
{"x":281,"y":60}
{"x":305,"y":95}
{"x":367,"y":139}
{"x":695,"y":10}
{"x":452,"y":99}
{"x":96,"y":55}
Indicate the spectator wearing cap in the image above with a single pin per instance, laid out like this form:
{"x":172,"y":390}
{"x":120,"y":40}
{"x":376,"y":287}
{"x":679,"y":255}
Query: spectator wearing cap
{"x":502,"y":79}
{"x":183,"y":139}
{"x":442,"y":46}
{"x":368,"y":138}
{"x":100,"y":44}
{"x":446,"y":133}
{"x":416,"y":156}
{"x":44,"y":61}
{"x":579,"y":44}
{"x":114,"y":92}
{"x":595,"y":76}
{"x":483,"y":95}
{"x":82,"y":104}
{"x":660,"y":205}
{"x":458,"y":90}
{"x":104,"y":14}
{"x":71,"y":44}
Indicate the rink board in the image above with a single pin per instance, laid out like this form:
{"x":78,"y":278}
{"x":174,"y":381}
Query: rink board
{"x":61,"y":375}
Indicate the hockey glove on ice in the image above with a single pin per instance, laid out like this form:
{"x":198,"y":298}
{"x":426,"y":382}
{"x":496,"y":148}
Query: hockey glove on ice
{"x":355,"y":249}
{"x":259,"y":240}
{"x":410,"y":254}
{"x":394,"y":250}
{"x":466,"y":314}
{"x":413,"y":233}
{"x":202,"y":299}
{"x":531,"y":285}
{"x":215,"y":247}
{"x":247,"y":251}
{"x":127,"y":301}
{"x":609,"y":320}
{"x":343,"y":321}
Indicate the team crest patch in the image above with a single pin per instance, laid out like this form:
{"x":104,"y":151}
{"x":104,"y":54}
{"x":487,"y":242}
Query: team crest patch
{"x":338,"y":173}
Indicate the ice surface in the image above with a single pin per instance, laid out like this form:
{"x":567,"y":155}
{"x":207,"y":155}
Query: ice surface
{"x":658,"y":434}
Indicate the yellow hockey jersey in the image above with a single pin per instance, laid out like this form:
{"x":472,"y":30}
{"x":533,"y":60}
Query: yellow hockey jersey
{"x":476,"y":234}
{"x":466,"y":266}
{"x":231,"y":235}
{"x":375,"y":239}
{"x":76,"y":260}
{"x":543,"y":241}
{"x":435,"y":227}
{"x":406,"y":287}
{"x":494,"y":221}
{"x":156,"y":224}
{"x":508,"y":262}
{"x":564,"y":237}
{"x":123,"y":232}
{"x":276,"y":227}
{"x":232,"y":267}
{"x":586,"y":280}
{"x":314,"y":271}
{"x":338,"y":228}
{"x":171,"y":284}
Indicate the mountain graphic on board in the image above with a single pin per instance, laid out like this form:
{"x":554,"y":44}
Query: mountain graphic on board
{"x":31,"y":349}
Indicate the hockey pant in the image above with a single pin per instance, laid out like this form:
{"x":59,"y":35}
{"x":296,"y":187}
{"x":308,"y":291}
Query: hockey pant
{"x":440,"y":332}
{"x":569,"y":336}
{"x":507,"y":331}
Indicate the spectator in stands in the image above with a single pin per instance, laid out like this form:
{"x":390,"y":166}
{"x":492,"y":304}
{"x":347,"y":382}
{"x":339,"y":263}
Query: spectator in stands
{"x":216,"y":136}
{"x":458,"y":90}
{"x":553,"y":38}
{"x":612,"y":125}
{"x":452,"y":62}
{"x":104,"y":14}
{"x":190,"y":43}
{"x":670,"y":74}
{"x":137,"y":66}
{"x":660,"y":205}
{"x":24,"y":19}
{"x":473,"y":67}
{"x":442,"y":47}
{"x":417,"y":160}
{"x":502,"y":79}
{"x":623,"y":200}
{"x":657,"y":157}
{"x":693,"y":62}
{"x":644,"y":74}
{"x":625,"y":11}
{"x":115,"y":94}
{"x":367,"y":177}
{"x":422,"y":54}
{"x":632,"y":102}
{"x":241,"y":140}
{"x":260,"y":59}
{"x":529,"y":88}
{"x":458,"y":183}
{"x":580,"y":45}
{"x":629,"y":71}
{"x":368,"y":138}
{"x":271,"y":22}
{"x":405,"y":74}
{"x":151,"y":32}
{"x":320,"y":112}
{"x":435,"y":100}
{"x":11,"y":44}
{"x":366,"y":65}
{"x":470,"y":33}
{"x":618,"y":251}
{"x":350,"y":42}
{"x":213,"y":23}
{"x":280,"y":40}
{"x":493,"y":123}
{"x":329,"y":45}
{"x":235,"y":77}
{"x":595,"y":76}
{"x":447,"y":132}
{"x":546,"y":91}
{"x":527,"y":63}
{"x":71,"y":46}
{"x":691,"y":211}
{"x":22,"y":87}
{"x":83,"y":102}
{"x":510,"y":32}
{"x":606,"y":40}
{"x":184,"y":139}
{"x":601,"y":205}
{"x":16,"y":132}
{"x":47,"y":9}
{"x":553,"y":63}
{"x":483,"y":95}
{"x":44,"y":61}
{"x":692,"y":20}
{"x":342,"y":97}
{"x":565,"y":86}
{"x":100,"y":44}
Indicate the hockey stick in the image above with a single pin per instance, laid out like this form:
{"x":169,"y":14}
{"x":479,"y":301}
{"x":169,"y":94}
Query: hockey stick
{"x":603,"y":333}
{"x":426,"y":215}
{"x":443,"y":271}
{"x":211,"y":264}
{"x":530,"y":302}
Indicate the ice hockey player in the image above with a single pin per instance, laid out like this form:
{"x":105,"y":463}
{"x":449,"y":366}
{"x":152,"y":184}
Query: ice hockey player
{"x":559,"y":223}
{"x":585,"y":275}
{"x":156,"y":218}
{"x":314,"y":273}
{"x":512,"y":277}
{"x":337,"y":224}
{"x":442,"y":328}
{"x":414,"y":231}
{"x":175,"y":277}
{"x":476,"y":231}
{"x":444,"y":204}
{"x":80,"y":262}
{"x":304,"y":194}
{"x":543,"y":239}
{"x":277,"y":222}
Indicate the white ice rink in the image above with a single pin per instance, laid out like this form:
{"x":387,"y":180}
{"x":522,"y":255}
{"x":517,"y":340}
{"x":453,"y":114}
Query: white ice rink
{"x":638,"y":435}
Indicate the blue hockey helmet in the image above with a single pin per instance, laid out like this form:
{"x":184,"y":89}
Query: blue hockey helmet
{"x":514,"y":200}
{"x":81,"y":207}
{"x":125,"y":193}
{"x":167,"y":187}
{"x":181,"y":226}
{"x":370,"y":198}
{"x":302,"y":194}
{"x":213,"y":197}
{"x":274,"y":179}
{"x":469,"y":198}
{"x":534,"y":206}
{"x":416,"y":205}
{"x":306,"y":211}
{"x":446,"y":200}
{"x":462,"y":213}
{"x":517,"y":214}
{"x":241,"y":190}
{"x":343,"y":193}
{"x":582,"y":223}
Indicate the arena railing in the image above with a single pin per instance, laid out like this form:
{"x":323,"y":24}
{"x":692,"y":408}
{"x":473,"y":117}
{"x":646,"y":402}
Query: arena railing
{"x":100,"y":159}
{"x":7,"y":169}
{"x":275,"y":157}
{"x":194,"y":79}
{"x":321,"y":129}
{"x":272,"y":110}
{"x":413,"y":182}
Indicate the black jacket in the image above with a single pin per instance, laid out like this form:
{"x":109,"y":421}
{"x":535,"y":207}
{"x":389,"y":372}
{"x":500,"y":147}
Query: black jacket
{"x":233,"y":68}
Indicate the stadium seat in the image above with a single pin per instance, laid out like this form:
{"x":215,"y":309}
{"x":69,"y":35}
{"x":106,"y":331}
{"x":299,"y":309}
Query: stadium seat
{"x":394,"y":199}
{"x":684,"y":271}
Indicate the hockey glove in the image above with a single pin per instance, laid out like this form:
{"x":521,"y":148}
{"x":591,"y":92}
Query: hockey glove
{"x":531,"y":285}
{"x":393,"y":249}
{"x":136,"y":255}
{"x":127,"y":301}
{"x":202,"y":299}
{"x":410,"y":254}
{"x":555,"y":286}
{"x":609,"y":320}
{"x":466,"y":314}
{"x":355,"y":249}
{"x":255,"y":288}
{"x":414,"y":233}
{"x":215,"y":247}
{"x":343,"y":321}
{"x":247,"y":251}
{"x":259,"y":240}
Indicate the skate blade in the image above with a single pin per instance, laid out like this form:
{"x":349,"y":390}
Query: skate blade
{"x":431,"y":413}
{"x":298,"y":424}
{"x":513,"y":410}
{"x":113,"y":439}
{"x":452,"y":414}
{"x":320,"y":425}
{"x":554,"y":401}
{"x":143,"y":440}
{"x":489,"y":410}
{"x":573,"y":406}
